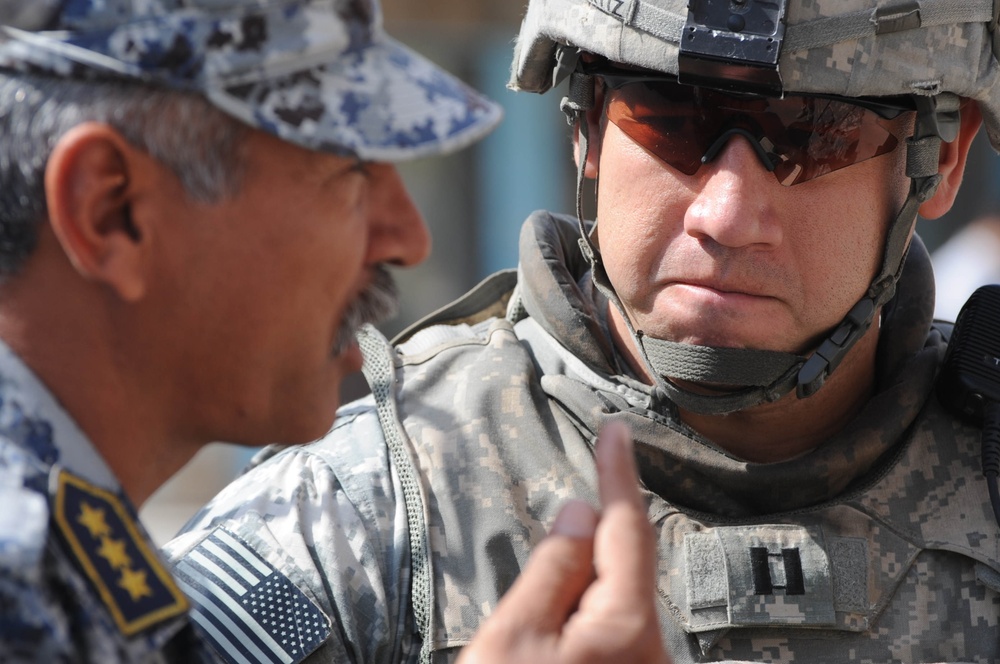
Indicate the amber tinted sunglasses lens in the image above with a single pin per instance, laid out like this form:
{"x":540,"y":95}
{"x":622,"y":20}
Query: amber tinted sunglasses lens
{"x":802,"y":137}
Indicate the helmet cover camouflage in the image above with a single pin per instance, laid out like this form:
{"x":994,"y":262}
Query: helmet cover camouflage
{"x":852,"y":48}
{"x":319,"y":73}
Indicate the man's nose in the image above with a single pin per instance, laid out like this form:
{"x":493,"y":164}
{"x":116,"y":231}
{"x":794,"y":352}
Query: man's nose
{"x":399,"y":235}
{"x":734,"y":206}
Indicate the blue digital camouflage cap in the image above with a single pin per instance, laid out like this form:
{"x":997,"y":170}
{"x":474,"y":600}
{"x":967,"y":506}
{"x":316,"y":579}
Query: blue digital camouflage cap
{"x":320,"y":73}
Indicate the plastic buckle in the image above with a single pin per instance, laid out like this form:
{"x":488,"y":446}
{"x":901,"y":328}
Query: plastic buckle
{"x":937,"y":116}
{"x":566,"y":63}
{"x":828,"y":356}
{"x":580,"y":98}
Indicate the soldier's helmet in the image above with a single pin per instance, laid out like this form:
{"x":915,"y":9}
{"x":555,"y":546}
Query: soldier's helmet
{"x":849,"y":48}
{"x":884,"y":56}
{"x":319,"y":73}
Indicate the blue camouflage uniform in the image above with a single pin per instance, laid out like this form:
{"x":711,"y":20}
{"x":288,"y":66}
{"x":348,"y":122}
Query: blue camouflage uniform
{"x":410,"y":519}
{"x":80,"y":580}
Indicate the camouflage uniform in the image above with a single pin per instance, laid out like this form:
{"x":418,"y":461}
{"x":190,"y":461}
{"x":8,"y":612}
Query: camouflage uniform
{"x":419,"y":508}
{"x":80,"y":580}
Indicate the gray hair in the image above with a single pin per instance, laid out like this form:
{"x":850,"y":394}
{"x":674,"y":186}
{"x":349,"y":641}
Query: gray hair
{"x":199,"y":143}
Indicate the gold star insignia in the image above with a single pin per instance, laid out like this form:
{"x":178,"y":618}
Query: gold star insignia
{"x":113,"y":551}
{"x":92,"y":519}
{"x":134,"y":582}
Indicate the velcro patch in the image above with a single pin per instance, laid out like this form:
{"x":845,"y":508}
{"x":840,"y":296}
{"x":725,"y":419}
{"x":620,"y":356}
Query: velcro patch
{"x":248,"y":609}
{"x":136,"y":588}
{"x":759,"y":575}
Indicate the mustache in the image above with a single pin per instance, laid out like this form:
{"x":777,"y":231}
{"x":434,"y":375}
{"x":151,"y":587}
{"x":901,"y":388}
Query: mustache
{"x":375,"y":304}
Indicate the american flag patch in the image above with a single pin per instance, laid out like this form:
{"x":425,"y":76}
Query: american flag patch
{"x":245,"y":607}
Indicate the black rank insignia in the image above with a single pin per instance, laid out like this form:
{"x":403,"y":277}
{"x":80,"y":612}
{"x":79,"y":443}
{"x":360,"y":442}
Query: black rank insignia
{"x":133,"y":584}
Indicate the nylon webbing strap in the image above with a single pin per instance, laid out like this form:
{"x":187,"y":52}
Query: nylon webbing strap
{"x":379,"y":371}
{"x":659,"y":22}
{"x":670,"y":363}
{"x":895,"y":250}
{"x":857,"y":25}
{"x":668,"y":25}
{"x":575,"y":106}
{"x":763,"y":375}
{"x":730,"y":402}
{"x":922,"y":155}
{"x":728,"y":366}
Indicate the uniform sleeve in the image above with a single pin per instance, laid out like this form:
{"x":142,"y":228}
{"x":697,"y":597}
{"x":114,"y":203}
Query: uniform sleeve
{"x":52,"y":609}
{"x":325,"y":522}
{"x":33,"y":624}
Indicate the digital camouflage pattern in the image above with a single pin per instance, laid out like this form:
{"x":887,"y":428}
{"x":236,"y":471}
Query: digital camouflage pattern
{"x":877,"y":546}
{"x":80,"y":581}
{"x":320,"y":73}
{"x":844,"y":47}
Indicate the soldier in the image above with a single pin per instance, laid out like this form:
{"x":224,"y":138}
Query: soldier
{"x":751,"y":300}
{"x":197,"y":202}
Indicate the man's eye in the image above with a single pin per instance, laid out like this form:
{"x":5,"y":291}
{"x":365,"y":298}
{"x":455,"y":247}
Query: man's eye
{"x":363,"y":167}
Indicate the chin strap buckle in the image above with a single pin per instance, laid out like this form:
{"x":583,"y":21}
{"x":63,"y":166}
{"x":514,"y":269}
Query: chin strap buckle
{"x":830,"y":353}
{"x":580,"y":98}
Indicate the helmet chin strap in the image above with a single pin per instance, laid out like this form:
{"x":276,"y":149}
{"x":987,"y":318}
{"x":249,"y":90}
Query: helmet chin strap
{"x":761,"y":376}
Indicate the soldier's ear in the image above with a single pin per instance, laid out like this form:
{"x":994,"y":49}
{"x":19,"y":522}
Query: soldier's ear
{"x":91,"y":192}
{"x":951,"y":164}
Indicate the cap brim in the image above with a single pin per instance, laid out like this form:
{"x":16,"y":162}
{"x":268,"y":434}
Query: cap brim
{"x":383,"y":102}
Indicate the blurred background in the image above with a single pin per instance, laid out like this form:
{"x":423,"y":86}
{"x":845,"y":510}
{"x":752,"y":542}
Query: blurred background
{"x":474,"y":203}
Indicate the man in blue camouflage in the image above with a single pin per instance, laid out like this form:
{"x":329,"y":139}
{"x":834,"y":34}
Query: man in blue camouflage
{"x":751,"y":301}
{"x":197,"y":202}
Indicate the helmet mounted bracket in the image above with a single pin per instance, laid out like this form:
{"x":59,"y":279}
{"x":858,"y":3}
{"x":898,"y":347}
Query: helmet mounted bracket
{"x":733,"y":45}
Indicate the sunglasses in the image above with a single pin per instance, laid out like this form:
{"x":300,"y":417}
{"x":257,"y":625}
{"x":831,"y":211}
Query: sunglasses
{"x":797,"y":137}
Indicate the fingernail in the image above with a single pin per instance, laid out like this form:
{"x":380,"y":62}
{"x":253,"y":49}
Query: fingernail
{"x":576,"y":519}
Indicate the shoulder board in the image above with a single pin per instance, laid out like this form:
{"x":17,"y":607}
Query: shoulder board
{"x":116,"y":556}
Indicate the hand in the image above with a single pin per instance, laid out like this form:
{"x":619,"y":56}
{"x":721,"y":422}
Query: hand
{"x":588,"y":593}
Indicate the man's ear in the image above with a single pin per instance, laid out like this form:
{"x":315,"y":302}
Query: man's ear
{"x":90,"y":190}
{"x":952,"y":162}
{"x":593,"y":119}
